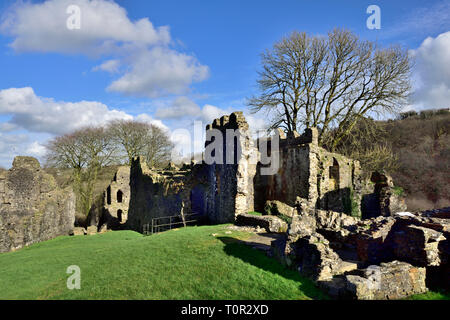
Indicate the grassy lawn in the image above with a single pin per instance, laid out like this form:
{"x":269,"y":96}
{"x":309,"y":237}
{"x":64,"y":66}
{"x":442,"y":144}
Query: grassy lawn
{"x":431,"y":295}
{"x":255,"y":213}
{"x":189,"y":263}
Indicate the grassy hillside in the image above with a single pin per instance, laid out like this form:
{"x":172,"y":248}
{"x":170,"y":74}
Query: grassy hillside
{"x":189,"y":263}
{"x":422,"y":144}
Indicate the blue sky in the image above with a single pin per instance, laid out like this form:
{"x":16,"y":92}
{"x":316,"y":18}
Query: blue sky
{"x":188,"y":60}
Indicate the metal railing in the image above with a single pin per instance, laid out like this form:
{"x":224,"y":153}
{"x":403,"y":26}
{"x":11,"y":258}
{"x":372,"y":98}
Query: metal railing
{"x":161,"y":224}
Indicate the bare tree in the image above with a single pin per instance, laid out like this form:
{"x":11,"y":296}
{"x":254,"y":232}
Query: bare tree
{"x":159,"y":147}
{"x":134,"y":138}
{"x":85,"y":151}
{"x":368,"y":141}
{"x":131,"y":137}
{"x":330,"y":82}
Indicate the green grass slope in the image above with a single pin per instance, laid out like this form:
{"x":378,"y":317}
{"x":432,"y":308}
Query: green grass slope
{"x":188,"y":263}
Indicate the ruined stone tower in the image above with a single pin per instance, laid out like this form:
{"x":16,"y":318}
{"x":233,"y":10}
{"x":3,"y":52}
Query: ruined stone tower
{"x":117,"y":196}
{"x":231,"y":180}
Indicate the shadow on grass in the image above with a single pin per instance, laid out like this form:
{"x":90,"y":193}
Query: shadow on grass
{"x":235,"y":248}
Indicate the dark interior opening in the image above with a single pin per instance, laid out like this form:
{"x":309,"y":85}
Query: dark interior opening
{"x":119,"y":196}
{"x":334,"y":175}
{"x":108,"y":195}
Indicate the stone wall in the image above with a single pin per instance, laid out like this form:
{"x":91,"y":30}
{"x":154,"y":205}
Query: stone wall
{"x":231,"y":190}
{"x":216,"y":190}
{"x":154,"y":194}
{"x":117,"y":198}
{"x":230,"y":181}
{"x":33,"y":208}
{"x":327,"y":181}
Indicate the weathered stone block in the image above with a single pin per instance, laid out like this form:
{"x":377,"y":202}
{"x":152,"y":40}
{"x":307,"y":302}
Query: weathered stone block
{"x":103,"y":228}
{"x":388,"y":201}
{"x":372,"y":244}
{"x":313,"y":257}
{"x":334,"y":220}
{"x":274,"y":207}
{"x":269,"y":223}
{"x":91,"y":230}
{"x":79,"y":231}
{"x":302,"y":225}
{"x":418,"y":245}
{"x":389,"y":281}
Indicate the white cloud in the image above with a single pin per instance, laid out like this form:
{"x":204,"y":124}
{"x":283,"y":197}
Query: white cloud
{"x":12,"y":145}
{"x":159,"y":72}
{"x":38,"y":114}
{"x":183,"y":107}
{"x":36,"y":149}
{"x":8,"y":127}
{"x":179,"y":108}
{"x":143,"y":117}
{"x":45,"y":117}
{"x":209,"y":113}
{"x":255,"y":123}
{"x":432,"y":73}
{"x":42,"y":27}
{"x":151,"y":68}
{"x":111,"y":66}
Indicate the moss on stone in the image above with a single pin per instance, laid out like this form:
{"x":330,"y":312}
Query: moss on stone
{"x":398,"y":191}
{"x":351,"y":205}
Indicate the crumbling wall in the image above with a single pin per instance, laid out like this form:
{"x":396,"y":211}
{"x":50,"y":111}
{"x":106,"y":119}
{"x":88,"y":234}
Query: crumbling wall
{"x":382,"y":200}
{"x":117,"y":198}
{"x":154,"y":194}
{"x":230,"y":180}
{"x":33,"y":208}
{"x":327,"y":181}
{"x":293,"y":177}
{"x":338,"y":185}
{"x":218,"y":188}
{"x":231,"y":190}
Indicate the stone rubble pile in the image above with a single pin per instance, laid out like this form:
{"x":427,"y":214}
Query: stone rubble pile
{"x":387,"y":257}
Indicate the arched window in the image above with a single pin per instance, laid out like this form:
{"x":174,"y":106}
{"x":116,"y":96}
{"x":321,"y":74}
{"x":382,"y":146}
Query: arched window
{"x":119,"y":215}
{"x":119,"y":196}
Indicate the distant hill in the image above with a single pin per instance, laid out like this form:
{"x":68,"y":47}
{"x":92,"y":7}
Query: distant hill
{"x":422,"y":143}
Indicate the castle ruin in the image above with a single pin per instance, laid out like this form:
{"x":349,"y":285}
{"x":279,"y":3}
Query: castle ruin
{"x":342,"y":228}
{"x":221,"y":190}
{"x":33,"y":208}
